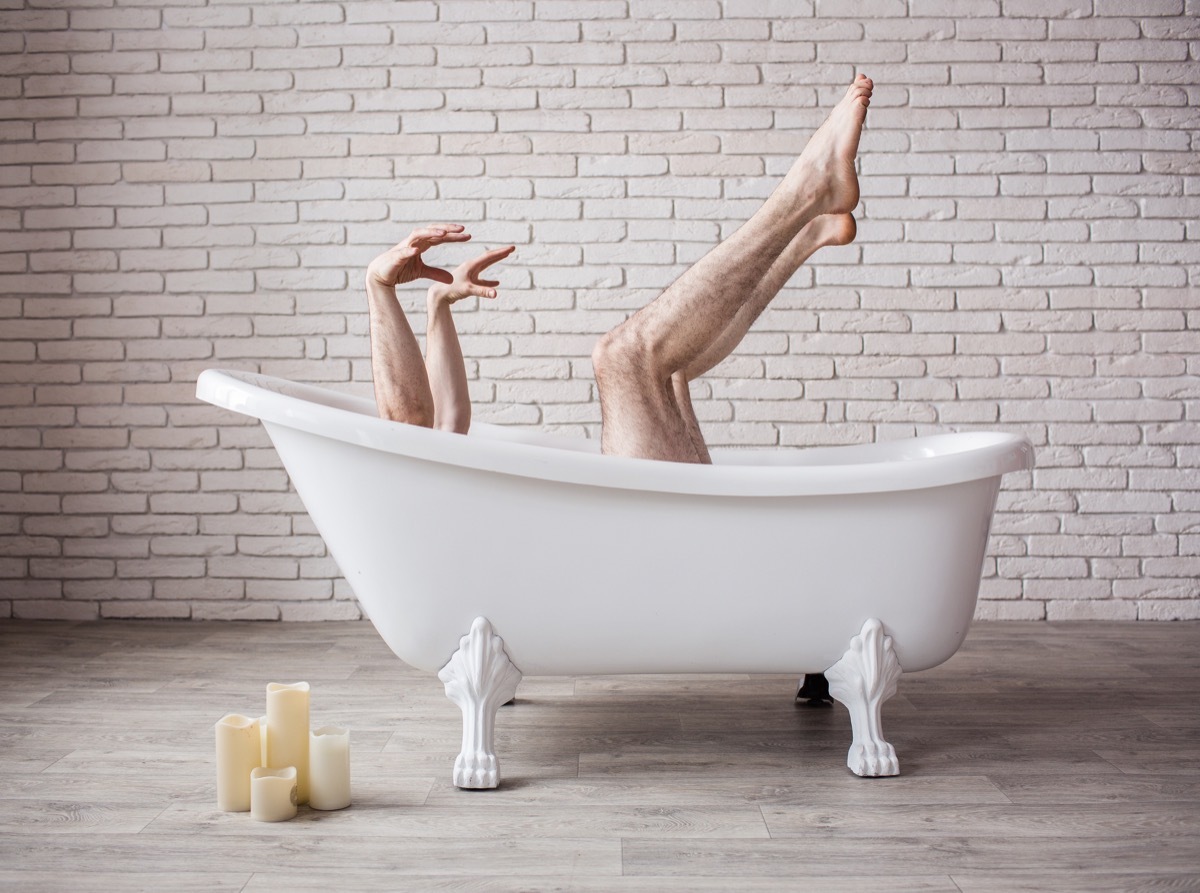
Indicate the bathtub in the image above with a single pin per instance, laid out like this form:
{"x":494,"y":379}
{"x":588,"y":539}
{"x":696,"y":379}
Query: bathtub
{"x":510,"y":552}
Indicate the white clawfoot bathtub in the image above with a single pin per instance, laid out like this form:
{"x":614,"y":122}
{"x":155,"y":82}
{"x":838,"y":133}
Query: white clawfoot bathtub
{"x":855,"y":561}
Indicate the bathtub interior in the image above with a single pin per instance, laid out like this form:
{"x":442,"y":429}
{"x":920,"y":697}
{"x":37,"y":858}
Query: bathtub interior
{"x":871,"y":467}
{"x":854,"y":454}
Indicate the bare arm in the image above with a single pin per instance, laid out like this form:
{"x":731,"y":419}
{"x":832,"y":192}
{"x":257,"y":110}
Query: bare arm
{"x":443,"y":354}
{"x":447,"y":371}
{"x":402,"y":390}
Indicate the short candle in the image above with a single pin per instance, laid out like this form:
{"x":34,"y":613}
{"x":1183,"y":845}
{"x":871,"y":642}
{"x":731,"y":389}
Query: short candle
{"x":329,"y":768}
{"x":273,"y":794}
{"x":287,"y":731}
{"x":239,"y":750}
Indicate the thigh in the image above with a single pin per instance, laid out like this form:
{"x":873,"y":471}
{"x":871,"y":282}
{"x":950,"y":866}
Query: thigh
{"x":646,"y":424}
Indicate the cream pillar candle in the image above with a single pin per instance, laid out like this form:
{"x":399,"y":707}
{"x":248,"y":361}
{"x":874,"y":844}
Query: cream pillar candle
{"x":329,"y":768}
{"x":239,"y":750}
{"x":273,"y":794}
{"x":287,"y":731}
{"x":262,"y":725}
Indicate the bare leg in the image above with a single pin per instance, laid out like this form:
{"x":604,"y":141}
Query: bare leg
{"x":636,"y":362}
{"x":828,"y":229}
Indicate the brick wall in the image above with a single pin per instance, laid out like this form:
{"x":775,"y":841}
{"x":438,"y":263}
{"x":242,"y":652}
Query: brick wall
{"x":191,"y":184}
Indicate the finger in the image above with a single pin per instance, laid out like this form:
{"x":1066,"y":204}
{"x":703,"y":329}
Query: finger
{"x":490,"y":283}
{"x":488,"y":258}
{"x":428,"y":236}
{"x":424,"y":232}
{"x":437,"y":229}
{"x":480,"y":292}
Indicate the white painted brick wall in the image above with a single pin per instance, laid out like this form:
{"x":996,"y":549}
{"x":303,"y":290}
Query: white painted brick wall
{"x":189,"y":185}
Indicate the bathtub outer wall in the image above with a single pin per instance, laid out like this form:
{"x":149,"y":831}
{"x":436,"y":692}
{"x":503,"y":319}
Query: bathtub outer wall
{"x":582,"y":579}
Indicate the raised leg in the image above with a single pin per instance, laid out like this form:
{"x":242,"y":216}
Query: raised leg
{"x":479,"y":678}
{"x":636,"y":362}
{"x":828,"y":229}
{"x":863,"y":679}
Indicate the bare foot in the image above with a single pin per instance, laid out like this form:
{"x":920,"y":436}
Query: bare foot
{"x":833,"y":229}
{"x":825,"y":169}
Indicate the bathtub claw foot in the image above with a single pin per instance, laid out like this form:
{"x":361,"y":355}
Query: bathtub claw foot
{"x":476,"y":771}
{"x":863,"y":679}
{"x":873,"y":760}
{"x":479,"y":678}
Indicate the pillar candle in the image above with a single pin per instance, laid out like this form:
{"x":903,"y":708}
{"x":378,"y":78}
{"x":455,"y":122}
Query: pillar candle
{"x":329,"y":768}
{"x":239,"y":750}
{"x":287,"y":731}
{"x":273,"y":794}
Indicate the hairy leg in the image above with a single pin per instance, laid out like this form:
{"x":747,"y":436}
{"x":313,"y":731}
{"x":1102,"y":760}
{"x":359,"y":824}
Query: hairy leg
{"x":636,"y":363}
{"x":683,"y":401}
{"x":828,"y":229}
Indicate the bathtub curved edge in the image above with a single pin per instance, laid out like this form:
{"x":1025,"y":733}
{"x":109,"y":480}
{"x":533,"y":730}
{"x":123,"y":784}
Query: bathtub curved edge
{"x":351,"y":419}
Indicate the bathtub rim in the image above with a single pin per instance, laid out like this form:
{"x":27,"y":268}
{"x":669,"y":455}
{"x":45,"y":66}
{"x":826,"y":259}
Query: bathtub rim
{"x":908,"y":464}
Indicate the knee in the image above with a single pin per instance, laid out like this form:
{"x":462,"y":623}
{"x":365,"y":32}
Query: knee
{"x":604,"y":356}
{"x":624,"y":353}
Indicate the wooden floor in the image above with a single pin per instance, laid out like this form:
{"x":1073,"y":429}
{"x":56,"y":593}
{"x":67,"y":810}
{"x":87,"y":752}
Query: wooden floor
{"x":1041,"y":757}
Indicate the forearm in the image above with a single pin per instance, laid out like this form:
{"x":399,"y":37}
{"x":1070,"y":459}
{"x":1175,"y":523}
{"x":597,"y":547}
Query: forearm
{"x":447,"y":372}
{"x":401,"y":385}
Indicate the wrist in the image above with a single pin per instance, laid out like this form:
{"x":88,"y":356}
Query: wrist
{"x":436,"y":295}
{"x":375,"y":282}
{"x":379,"y":292}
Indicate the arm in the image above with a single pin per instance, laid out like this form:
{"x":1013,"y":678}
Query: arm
{"x":443,"y":355}
{"x":447,"y":372}
{"x":401,"y":385}
{"x":402,"y":390}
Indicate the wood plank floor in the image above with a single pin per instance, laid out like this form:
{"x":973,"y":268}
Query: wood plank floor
{"x":1041,"y":757}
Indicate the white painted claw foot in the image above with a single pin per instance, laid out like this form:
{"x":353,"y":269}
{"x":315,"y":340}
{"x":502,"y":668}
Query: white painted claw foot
{"x":863,"y":679}
{"x":479,"y":678}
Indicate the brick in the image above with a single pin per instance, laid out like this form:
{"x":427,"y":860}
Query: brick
{"x":71,"y":568}
{"x":241,"y":567}
{"x":1058,"y":609}
{"x":1150,"y":609}
{"x":235,"y":611}
{"x":155,"y":610}
{"x":318,"y":611}
{"x":36,"y":609}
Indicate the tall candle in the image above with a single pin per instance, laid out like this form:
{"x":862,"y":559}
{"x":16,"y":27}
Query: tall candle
{"x":287,"y":731}
{"x":329,"y":768}
{"x":273,"y":794}
{"x":239,"y":751}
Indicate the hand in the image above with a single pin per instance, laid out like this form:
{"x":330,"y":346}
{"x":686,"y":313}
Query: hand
{"x":403,"y":263}
{"x":464,"y":282}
